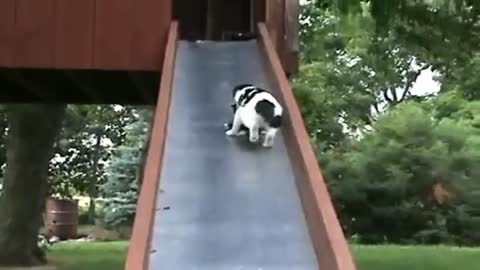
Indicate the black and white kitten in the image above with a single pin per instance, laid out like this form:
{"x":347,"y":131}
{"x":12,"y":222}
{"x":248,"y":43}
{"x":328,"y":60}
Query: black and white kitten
{"x":256,"y":109}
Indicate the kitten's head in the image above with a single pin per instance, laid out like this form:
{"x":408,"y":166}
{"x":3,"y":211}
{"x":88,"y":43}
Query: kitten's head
{"x":238,"y":90}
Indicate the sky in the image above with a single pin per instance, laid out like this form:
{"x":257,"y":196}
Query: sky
{"x":425,"y":84}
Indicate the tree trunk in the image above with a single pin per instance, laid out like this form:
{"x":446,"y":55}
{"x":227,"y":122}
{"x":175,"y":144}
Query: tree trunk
{"x":32,"y":132}
{"x":143,"y":157}
{"x":92,"y":189}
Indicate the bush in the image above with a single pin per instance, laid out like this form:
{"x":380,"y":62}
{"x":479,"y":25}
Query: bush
{"x":413,"y":179}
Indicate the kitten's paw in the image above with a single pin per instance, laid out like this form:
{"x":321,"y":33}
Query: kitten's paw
{"x":267,"y":145}
{"x":268,"y":142}
{"x":253,"y":138}
{"x":242,"y":132}
{"x":230,"y":133}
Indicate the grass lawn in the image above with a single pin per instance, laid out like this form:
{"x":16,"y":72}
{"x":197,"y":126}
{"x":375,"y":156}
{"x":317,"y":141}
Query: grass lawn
{"x":84,"y":256}
{"x":416,"y":258}
{"x":111,"y":256}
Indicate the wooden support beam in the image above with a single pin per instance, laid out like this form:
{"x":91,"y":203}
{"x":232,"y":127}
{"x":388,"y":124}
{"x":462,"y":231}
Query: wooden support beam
{"x":82,"y":84}
{"x":214,"y":17}
{"x":26,"y":81}
{"x":140,"y":87}
{"x":292,"y":42}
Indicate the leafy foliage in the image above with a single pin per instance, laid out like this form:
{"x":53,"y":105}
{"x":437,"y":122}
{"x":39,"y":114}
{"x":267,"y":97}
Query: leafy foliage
{"x":349,"y":75}
{"x":443,"y":33}
{"x":328,"y":104}
{"x":74,"y":165}
{"x":350,"y":56}
{"x":464,"y":79}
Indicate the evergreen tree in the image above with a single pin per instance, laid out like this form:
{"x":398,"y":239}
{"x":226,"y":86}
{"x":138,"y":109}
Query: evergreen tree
{"x":122,"y":187}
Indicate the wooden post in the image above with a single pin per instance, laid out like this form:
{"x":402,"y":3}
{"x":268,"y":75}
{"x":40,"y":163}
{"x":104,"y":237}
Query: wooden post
{"x":214,"y":11}
{"x":291,"y":35}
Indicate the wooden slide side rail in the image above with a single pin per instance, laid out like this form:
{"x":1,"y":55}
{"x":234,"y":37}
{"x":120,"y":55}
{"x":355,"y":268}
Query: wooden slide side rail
{"x":328,"y":240}
{"x":139,"y":250}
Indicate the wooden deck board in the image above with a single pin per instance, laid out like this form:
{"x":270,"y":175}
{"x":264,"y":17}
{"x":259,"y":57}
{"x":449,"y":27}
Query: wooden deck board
{"x":74,"y":33}
{"x":7,"y":23}
{"x":35,"y":35}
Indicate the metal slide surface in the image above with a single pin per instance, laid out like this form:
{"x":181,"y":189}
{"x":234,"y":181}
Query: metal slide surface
{"x":223,"y":203}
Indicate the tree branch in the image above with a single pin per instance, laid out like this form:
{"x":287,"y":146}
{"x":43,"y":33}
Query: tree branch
{"x":410,"y":81}
{"x":386,"y":97}
{"x":375,"y":106}
{"x":394,"y":95}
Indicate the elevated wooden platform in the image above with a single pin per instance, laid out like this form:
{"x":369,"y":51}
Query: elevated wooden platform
{"x":88,"y":51}
{"x":78,"y":86}
{"x":84,"y":34}
{"x":111,"y":51}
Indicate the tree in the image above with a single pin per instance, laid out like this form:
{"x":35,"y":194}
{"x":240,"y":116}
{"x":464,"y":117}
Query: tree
{"x":32,"y":130}
{"x":443,"y":33}
{"x":331,"y":105}
{"x":348,"y":74}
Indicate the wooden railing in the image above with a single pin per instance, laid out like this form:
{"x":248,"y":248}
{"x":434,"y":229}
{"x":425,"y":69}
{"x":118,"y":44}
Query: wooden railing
{"x":329,"y":242}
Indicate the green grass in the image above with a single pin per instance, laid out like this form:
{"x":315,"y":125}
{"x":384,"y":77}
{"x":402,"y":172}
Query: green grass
{"x":416,"y":257}
{"x":108,"y":256}
{"x":84,"y":256}
{"x":97,"y":255}
{"x":111,"y":256}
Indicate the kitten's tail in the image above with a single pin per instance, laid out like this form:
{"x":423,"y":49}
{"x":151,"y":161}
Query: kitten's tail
{"x":266,"y":109}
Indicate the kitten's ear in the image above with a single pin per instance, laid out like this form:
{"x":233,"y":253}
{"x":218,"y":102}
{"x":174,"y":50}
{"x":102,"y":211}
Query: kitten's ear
{"x":235,"y":90}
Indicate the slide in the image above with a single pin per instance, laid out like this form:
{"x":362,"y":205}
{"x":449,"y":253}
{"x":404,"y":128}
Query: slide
{"x":217,"y":202}
{"x":226,"y":204}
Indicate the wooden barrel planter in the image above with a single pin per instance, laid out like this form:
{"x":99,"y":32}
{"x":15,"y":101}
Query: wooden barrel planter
{"x":62,"y":218}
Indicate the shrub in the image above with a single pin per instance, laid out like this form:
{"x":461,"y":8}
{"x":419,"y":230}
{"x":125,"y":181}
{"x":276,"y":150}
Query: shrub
{"x":413,"y":179}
